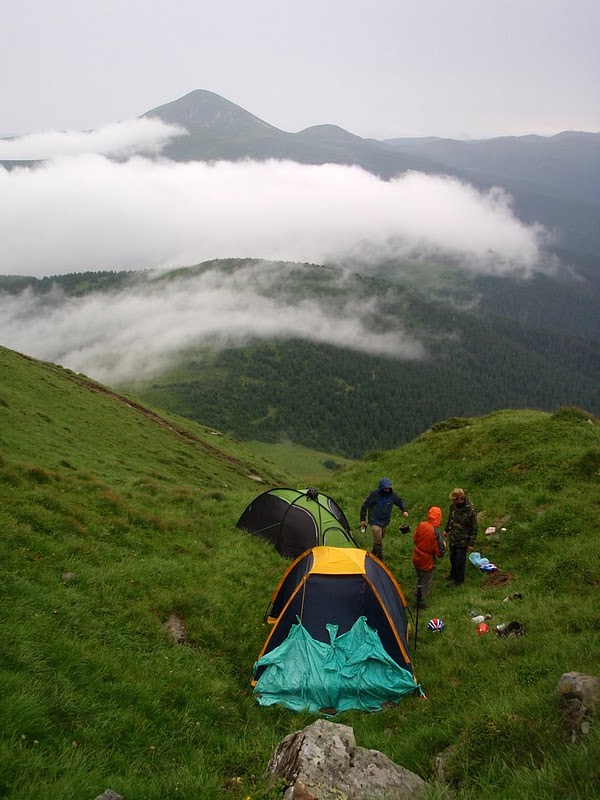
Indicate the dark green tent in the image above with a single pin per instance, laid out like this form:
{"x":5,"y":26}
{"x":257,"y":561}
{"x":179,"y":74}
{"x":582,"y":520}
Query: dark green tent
{"x":295,"y":520}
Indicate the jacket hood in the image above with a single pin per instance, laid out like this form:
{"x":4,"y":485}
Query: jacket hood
{"x":434,"y":515}
{"x":385,"y":483}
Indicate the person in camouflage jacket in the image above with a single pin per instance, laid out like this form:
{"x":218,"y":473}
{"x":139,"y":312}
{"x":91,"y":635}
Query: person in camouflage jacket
{"x":461,"y":530}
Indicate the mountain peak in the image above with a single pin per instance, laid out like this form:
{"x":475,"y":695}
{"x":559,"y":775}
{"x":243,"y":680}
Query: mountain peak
{"x":330,"y":133}
{"x":204,"y":109}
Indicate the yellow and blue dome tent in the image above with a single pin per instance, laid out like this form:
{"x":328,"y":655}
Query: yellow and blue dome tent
{"x":296,"y":519}
{"x":339,"y":636}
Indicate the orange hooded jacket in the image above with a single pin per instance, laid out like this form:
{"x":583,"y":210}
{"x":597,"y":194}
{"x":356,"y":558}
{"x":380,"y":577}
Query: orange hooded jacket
{"x":429,"y":543}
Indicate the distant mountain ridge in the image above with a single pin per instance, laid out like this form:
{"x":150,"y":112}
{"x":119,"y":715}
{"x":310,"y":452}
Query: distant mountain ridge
{"x":553,"y":180}
{"x":220,"y":129}
{"x":569,"y":161}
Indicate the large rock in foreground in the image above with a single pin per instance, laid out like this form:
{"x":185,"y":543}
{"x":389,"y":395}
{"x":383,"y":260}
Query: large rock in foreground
{"x":322,"y":762}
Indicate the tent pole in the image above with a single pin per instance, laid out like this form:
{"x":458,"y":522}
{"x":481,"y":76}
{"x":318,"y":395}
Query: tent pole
{"x":267,"y":612}
{"x":417,"y":614}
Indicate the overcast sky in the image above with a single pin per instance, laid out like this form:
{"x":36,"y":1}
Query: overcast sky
{"x":76,"y":76}
{"x":457,"y":68}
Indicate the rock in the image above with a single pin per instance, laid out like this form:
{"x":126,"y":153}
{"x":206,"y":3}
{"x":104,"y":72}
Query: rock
{"x":441,"y":763}
{"x":322,"y":762}
{"x":68,"y":577}
{"x":578,"y":697}
{"x":175,"y":627}
{"x":110,"y":795}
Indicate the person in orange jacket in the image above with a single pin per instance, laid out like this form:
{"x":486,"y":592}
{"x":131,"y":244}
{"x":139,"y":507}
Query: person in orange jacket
{"x":429,"y":546}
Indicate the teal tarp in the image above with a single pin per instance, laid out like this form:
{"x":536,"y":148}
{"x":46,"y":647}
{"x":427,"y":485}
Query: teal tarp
{"x":352,"y":671}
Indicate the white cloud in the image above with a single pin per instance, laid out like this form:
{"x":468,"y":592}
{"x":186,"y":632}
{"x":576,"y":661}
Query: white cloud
{"x":86,"y":212}
{"x":136,"y":333}
{"x":143,"y":135}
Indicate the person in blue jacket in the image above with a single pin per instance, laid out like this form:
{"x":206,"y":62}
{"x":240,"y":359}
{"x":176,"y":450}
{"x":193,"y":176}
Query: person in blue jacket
{"x":377,"y":508}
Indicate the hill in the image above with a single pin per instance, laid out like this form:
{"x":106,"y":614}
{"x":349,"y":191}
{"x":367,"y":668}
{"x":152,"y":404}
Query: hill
{"x":115,"y":516}
{"x":349,"y":402}
{"x":220,"y":129}
{"x":350,"y":399}
{"x":553,"y":180}
{"x":567,"y":164}
{"x":439,"y":358}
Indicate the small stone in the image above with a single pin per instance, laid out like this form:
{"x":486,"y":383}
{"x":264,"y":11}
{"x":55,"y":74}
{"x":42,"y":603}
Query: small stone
{"x":110,"y":795}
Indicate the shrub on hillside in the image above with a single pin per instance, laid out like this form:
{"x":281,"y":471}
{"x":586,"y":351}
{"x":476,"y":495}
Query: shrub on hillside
{"x":451,"y":424}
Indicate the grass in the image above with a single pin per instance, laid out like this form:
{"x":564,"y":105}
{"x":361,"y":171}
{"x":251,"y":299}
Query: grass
{"x":140,"y":507}
{"x":308,"y":466}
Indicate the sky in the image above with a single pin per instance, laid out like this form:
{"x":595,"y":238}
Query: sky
{"x":457,"y":68}
{"x":77,"y":76}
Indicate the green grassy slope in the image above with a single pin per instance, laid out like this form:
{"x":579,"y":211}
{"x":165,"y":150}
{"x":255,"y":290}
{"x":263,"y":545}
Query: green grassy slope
{"x":141,"y":508}
{"x":309,"y":466}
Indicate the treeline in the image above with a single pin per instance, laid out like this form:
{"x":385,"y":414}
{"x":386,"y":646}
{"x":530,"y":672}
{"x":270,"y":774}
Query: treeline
{"x":346,"y":402}
{"x":516,"y":348}
{"x":568,"y":306}
{"x":73,"y":284}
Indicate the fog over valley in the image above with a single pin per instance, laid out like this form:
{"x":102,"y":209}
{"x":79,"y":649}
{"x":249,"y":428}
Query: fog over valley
{"x":96,"y":202}
{"x":83,"y":212}
{"x":134,"y":334}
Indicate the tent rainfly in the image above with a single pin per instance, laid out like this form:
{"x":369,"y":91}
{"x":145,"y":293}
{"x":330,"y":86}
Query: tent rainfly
{"x":339,"y":636}
{"x":295,"y":520}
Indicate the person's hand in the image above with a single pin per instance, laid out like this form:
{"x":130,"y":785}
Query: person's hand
{"x":363,"y":522}
{"x":405,"y":513}
{"x":470,"y":547}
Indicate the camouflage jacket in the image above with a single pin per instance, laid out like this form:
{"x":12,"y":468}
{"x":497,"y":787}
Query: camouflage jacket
{"x":461,"y":525}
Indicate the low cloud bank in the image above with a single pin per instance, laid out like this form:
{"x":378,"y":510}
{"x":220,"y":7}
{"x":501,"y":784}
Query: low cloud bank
{"x":134,"y":334}
{"x":120,"y":139}
{"x":82,"y":211}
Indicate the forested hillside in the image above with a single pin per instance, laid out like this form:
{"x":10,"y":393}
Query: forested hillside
{"x":350,"y":403}
{"x":347,"y":401}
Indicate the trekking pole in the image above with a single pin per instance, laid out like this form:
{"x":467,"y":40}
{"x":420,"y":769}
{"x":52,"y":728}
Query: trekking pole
{"x":417,"y":614}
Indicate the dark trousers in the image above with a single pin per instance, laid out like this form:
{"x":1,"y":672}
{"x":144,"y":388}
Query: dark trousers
{"x":423,"y":581}
{"x":458,"y":560}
